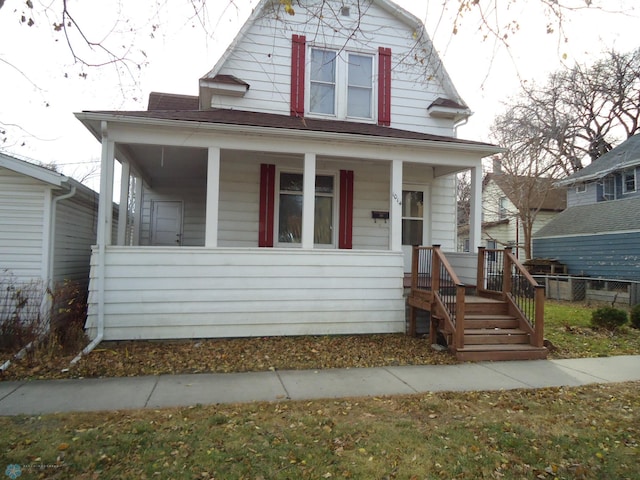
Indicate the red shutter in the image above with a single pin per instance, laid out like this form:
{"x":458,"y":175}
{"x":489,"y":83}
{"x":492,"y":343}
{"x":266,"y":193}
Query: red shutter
{"x":267,"y":199}
{"x":346,"y":209}
{"x":384,"y":86}
{"x":298,"y":47}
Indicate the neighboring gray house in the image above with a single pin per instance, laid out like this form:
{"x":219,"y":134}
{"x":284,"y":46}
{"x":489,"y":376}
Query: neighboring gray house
{"x":47,"y":224}
{"x":599,"y":233}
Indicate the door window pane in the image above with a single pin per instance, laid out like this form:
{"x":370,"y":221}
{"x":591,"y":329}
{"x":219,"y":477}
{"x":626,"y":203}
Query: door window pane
{"x":412,"y":204}
{"x":412,"y":217}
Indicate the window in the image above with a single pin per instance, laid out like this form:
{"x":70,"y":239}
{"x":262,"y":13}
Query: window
{"x":322,"y":96}
{"x":581,"y":188}
{"x":290,"y":209}
{"x":609,"y":188}
{"x":502,"y":208}
{"x":360,"y":86}
{"x":629,"y":181}
{"x":341,"y":85}
{"x":412,"y":217}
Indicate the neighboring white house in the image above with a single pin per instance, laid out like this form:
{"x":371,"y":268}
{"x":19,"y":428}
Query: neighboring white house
{"x":502,"y":224}
{"x":285,"y":198}
{"x":47,"y":225}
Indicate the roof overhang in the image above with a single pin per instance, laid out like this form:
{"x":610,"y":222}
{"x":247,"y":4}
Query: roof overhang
{"x":34,"y":171}
{"x":93,"y":121}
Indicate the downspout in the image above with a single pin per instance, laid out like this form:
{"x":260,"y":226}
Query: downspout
{"x":47,"y":274}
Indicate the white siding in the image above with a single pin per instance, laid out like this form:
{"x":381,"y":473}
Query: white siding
{"x":193,"y":195}
{"x":443,"y":212}
{"x":75,"y":233}
{"x":263,"y":60}
{"x":22,"y":201}
{"x":196,"y":292}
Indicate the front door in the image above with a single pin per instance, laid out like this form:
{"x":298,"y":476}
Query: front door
{"x":166,"y":223}
{"x":413,"y":222}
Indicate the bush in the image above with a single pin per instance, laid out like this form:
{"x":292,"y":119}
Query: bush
{"x":609,"y":318}
{"x":635,"y":316}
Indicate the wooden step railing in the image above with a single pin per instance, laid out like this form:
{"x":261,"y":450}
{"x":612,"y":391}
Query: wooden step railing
{"x":435,"y":287}
{"x":432,"y":273}
{"x":501,"y":275}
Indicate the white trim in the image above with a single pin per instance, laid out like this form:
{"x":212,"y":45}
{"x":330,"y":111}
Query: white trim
{"x":395,"y":210}
{"x":308,"y":200}
{"x":213,"y":197}
{"x":33,"y":171}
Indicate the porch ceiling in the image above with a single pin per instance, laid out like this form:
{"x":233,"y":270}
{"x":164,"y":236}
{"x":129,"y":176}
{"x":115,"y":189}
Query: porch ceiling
{"x":157,"y":163}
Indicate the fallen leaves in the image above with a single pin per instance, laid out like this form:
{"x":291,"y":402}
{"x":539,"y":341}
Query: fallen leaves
{"x":134,"y":358}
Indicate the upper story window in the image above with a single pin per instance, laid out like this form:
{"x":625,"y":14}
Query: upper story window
{"x":341,"y":85}
{"x":629,"y":181}
{"x":502,"y":208}
{"x":581,"y":188}
{"x":609,"y":188}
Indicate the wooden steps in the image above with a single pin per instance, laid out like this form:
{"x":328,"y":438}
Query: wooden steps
{"x":491,"y":334}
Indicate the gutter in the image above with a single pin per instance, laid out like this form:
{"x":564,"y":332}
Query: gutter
{"x":288,"y":133}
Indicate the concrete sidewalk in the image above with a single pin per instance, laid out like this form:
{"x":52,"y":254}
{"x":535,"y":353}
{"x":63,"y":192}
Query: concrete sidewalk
{"x":49,"y":396}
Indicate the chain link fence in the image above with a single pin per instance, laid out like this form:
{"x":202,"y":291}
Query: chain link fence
{"x":615,"y":292}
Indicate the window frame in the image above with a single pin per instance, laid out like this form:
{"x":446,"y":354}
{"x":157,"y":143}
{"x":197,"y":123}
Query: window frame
{"x":581,"y":188}
{"x":334,"y":208}
{"x":609,"y":181}
{"x":342,"y":86}
{"x":631,"y":171}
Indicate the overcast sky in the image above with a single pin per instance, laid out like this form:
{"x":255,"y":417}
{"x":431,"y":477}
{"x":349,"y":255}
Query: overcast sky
{"x":41,"y":87}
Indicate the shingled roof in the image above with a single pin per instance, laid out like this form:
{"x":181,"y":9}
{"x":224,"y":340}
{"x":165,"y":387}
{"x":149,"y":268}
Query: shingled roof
{"x":627,"y":154}
{"x":270,"y":120}
{"x":544,"y":193}
{"x":601,"y":217}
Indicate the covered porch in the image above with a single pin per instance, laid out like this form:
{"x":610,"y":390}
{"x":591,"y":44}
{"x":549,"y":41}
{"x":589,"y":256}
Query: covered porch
{"x":239,"y":230}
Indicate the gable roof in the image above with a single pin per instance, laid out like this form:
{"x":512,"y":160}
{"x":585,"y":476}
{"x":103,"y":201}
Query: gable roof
{"x":602,"y":217}
{"x":545,"y":194}
{"x":625,"y":155}
{"x":32,"y":170}
{"x":423,"y":43}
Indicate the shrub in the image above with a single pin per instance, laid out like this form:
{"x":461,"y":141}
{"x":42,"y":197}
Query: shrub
{"x":635,"y":316}
{"x":609,"y":318}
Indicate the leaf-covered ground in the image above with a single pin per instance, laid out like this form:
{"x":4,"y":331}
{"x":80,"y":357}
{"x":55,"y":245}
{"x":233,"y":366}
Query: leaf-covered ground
{"x":567,"y":326}
{"x":121,"y":359}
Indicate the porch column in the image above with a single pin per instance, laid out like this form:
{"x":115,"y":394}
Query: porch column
{"x":308,"y":200}
{"x":137,"y":212}
{"x":395,"y":213}
{"x":213,"y":194}
{"x":123,"y":210}
{"x":475,"y":214}
{"x":105,"y":208}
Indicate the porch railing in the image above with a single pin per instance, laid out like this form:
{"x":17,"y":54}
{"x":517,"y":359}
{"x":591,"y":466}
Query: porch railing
{"x":432,"y":272}
{"x":500,"y":274}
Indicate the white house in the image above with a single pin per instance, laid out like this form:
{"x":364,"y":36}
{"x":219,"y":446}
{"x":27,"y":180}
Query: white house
{"x":284,"y":199}
{"x":502,"y":221}
{"x":47,"y":225}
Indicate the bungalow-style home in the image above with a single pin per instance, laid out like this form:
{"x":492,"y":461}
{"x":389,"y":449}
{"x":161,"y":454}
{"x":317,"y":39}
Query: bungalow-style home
{"x":509,"y":204}
{"x":598,"y":235}
{"x":284,"y":199}
{"x":47,"y":225}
